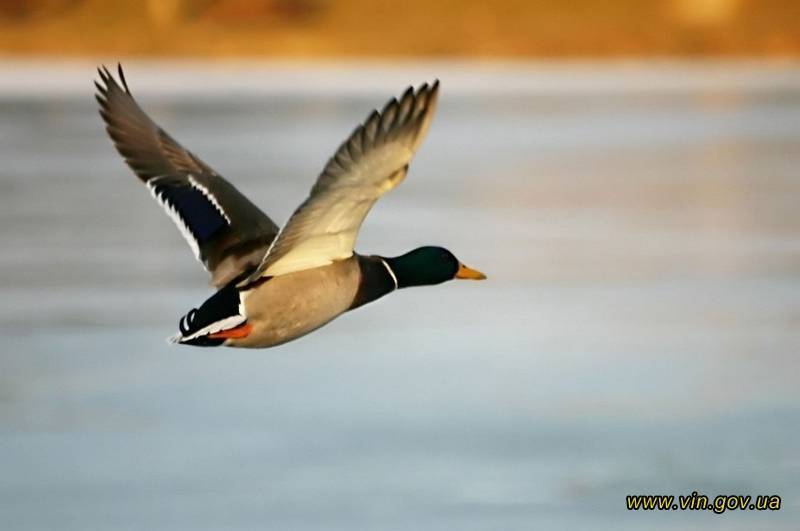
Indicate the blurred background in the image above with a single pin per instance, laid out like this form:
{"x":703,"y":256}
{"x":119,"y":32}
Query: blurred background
{"x":625,"y":172}
{"x":359,"y":28}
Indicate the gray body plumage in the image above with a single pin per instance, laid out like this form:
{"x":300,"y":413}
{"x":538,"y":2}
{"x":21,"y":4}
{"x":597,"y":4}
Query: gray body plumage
{"x":290,"y":306}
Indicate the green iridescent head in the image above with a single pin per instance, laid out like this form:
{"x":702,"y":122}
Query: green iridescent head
{"x":426,"y":266}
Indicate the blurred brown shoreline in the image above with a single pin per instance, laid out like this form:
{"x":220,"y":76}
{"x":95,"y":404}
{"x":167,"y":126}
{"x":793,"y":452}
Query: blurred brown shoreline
{"x":447,"y":28}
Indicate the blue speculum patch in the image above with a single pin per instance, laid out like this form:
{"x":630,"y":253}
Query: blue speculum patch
{"x":198,"y":213}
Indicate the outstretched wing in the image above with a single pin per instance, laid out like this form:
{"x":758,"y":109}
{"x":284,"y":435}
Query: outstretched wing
{"x":227,"y":232}
{"x":367,"y":165}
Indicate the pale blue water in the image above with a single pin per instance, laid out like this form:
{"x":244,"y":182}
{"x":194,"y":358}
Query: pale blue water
{"x":639,"y":332}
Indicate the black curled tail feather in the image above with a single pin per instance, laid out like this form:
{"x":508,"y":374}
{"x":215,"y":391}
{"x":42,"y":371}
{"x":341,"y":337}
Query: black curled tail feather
{"x":218,"y":312}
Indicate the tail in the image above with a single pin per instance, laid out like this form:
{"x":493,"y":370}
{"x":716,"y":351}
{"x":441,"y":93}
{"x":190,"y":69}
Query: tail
{"x":218,"y":319}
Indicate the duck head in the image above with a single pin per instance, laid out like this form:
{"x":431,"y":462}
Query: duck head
{"x":426,"y":266}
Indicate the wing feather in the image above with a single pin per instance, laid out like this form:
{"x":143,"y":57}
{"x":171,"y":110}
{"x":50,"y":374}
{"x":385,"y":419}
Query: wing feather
{"x":373,"y":160}
{"x":227,"y":232}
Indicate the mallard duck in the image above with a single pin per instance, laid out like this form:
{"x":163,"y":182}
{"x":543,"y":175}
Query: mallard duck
{"x":275,"y":285}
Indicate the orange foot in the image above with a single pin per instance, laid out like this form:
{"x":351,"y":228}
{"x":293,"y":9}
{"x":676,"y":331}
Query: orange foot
{"x":243,"y":330}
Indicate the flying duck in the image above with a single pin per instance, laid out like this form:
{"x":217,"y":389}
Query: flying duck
{"x":275,"y":285}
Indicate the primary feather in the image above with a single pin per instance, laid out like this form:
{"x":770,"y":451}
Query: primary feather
{"x":372,"y":161}
{"x":226,"y":232}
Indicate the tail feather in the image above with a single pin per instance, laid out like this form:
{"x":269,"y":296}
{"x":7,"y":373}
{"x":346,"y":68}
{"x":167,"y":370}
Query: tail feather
{"x":220,"y":312}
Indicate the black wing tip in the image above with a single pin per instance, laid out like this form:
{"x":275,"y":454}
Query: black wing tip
{"x":425,"y":88}
{"x":433,"y":93}
{"x":109,"y":82}
{"x":122,"y":78}
{"x":430,"y":88}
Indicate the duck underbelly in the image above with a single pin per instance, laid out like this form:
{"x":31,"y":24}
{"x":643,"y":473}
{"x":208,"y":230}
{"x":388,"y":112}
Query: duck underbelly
{"x":289,"y":306}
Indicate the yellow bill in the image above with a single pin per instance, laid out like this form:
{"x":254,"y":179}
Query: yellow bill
{"x":467,"y":273}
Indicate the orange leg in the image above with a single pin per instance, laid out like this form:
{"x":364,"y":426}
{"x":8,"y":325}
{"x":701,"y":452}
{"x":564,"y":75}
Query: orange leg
{"x":239,"y":332}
